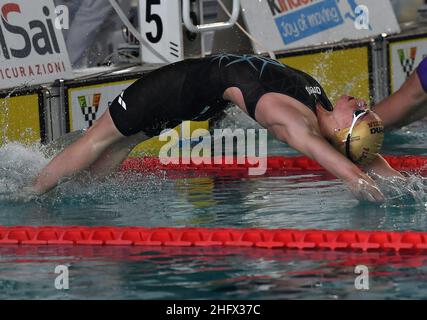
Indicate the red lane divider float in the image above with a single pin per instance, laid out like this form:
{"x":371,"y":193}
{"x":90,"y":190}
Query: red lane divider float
{"x":199,"y":237}
{"x":275,"y":165}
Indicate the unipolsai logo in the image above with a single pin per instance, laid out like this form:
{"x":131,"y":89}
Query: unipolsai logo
{"x":89,"y":105}
{"x":25,"y":30}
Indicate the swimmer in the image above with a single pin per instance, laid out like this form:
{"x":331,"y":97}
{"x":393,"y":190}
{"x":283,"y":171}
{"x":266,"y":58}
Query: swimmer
{"x":408,"y":104}
{"x":289,"y":103}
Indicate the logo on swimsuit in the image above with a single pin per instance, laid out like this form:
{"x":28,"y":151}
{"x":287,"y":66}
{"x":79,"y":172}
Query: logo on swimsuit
{"x":313,"y":90}
{"x":122,"y":102}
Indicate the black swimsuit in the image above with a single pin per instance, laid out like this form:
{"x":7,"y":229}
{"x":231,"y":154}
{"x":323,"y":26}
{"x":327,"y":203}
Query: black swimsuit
{"x":193,"y":90}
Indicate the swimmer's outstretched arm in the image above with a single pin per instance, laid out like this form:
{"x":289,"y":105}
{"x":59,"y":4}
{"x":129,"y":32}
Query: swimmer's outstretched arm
{"x":317,"y":148}
{"x":379,"y":167}
{"x":407,"y":105}
{"x":301,"y":132}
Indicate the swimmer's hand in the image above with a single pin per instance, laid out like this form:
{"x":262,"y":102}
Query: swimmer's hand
{"x":366,"y":190}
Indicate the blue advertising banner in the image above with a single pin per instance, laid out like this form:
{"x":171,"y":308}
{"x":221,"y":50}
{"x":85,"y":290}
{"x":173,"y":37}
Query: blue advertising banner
{"x":309,"y":20}
{"x":287,"y":24}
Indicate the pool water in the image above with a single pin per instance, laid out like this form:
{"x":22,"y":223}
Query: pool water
{"x":311,"y":200}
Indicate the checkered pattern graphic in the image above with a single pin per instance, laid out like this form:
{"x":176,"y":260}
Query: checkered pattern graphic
{"x":407,"y":60}
{"x":89,"y":106}
{"x":408,"y":66}
{"x":90,"y":115}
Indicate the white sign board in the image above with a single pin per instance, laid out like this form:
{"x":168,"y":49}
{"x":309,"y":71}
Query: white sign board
{"x":32,"y":49}
{"x":405,"y":56}
{"x":287,"y":24}
{"x":161,"y":27}
{"x":87,"y":104}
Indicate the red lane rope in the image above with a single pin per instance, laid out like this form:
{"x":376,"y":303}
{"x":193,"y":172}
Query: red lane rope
{"x":222,"y":237}
{"x":276,"y":165}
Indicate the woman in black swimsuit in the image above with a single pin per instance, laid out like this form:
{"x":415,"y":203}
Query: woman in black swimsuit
{"x":289,"y":103}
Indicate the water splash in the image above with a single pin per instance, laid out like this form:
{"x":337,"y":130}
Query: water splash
{"x":399,"y":193}
{"x":121,"y":187}
{"x":18,"y":165}
{"x":320,"y":73}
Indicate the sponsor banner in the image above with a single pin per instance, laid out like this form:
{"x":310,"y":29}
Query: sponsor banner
{"x":32,"y":49}
{"x":21,"y":119}
{"x":344,"y":71}
{"x":404,"y":57}
{"x":87,"y":103}
{"x":286,"y":24}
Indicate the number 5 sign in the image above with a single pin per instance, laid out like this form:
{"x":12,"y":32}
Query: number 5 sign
{"x":161,"y":26}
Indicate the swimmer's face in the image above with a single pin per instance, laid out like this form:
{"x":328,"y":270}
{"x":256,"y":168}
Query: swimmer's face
{"x":344,"y":109}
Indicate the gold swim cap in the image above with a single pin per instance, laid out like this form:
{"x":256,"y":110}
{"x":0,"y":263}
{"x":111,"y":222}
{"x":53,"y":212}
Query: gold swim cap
{"x":363,"y":140}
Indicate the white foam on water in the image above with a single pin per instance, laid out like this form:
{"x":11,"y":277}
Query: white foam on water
{"x":19,"y":164}
{"x":403,"y":193}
